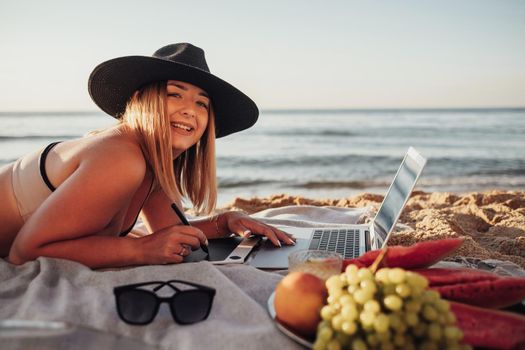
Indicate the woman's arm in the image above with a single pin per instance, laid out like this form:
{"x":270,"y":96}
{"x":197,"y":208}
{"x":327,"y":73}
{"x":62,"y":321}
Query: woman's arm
{"x":157,"y":214}
{"x":238,"y":223}
{"x":77,"y":221}
{"x":83,"y":206}
{"x":93,"y":251}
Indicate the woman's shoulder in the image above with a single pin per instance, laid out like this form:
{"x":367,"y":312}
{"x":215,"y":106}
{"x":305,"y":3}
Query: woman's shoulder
{"x":116,"y":151}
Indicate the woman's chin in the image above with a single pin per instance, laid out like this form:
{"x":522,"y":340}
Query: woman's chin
{"x":177,"y":150}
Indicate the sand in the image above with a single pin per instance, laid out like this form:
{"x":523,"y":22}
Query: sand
{"x":492,"y":223}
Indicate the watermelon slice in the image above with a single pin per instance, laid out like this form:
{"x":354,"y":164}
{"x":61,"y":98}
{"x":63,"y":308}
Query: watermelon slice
{"x":497,"y":293}
{"x":488,"y":328}
{"x":419,"y":255}
{"x":443,"y":276}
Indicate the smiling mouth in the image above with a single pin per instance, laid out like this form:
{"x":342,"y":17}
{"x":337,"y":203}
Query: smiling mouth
{"x":181,"y":126}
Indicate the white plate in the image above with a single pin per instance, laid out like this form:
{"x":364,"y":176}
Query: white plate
{"x":296,"y":337}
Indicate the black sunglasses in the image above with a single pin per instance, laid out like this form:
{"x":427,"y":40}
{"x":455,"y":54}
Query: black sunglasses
{"x":140,"y":306}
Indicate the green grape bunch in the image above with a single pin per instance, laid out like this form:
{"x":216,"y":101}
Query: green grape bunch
{"x":389,"y":309}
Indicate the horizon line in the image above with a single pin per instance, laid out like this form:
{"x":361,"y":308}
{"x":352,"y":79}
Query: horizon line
{"x":303,"y":110}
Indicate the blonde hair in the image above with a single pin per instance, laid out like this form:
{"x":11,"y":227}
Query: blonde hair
{"x":193,"y":173}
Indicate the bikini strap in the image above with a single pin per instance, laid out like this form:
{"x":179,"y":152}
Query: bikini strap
{"x":124,"y":233}
{"x":43,"y":157}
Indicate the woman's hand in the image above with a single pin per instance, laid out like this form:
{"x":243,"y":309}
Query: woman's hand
{"x":170,"y":245}
{"x":243,"y":225}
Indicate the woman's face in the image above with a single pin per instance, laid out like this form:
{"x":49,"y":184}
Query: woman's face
{"x":188,"y":110}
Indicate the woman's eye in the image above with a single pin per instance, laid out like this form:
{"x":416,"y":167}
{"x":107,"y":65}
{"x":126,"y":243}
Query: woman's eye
{"x":202,"y":104}
{"x":173,"y":94}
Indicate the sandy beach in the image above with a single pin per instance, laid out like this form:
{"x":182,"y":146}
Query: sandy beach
{"x":492,"y":222}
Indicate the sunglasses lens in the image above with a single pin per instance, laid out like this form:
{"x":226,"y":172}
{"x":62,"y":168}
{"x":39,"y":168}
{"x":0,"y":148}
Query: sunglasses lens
{"x":137,"y":306}
{"x":191,"y":306}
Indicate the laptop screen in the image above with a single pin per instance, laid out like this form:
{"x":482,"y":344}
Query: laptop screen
{"x":397,"y":196}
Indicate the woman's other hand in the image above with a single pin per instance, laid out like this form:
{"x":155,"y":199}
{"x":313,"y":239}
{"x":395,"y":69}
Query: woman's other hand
{"x":170,"y":245}
{"x":243,"y":225}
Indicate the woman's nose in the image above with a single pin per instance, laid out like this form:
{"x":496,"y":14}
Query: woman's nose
{"x":188,"y":110}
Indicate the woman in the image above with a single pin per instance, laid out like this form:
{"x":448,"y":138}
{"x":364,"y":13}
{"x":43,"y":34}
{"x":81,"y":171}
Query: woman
{"x":79,"y":198}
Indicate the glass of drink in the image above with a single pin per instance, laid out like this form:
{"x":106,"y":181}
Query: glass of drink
{"x":321,"y":263}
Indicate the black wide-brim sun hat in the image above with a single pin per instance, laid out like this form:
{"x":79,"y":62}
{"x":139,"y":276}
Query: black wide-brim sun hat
{"x":112,"y":83}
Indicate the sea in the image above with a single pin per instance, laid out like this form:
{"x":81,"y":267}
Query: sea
{"x":330,"y":153}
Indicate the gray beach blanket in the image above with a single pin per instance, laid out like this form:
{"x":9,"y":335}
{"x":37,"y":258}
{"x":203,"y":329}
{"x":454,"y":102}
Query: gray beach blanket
{"x":60,"y":290}
{"x":64,"y":291}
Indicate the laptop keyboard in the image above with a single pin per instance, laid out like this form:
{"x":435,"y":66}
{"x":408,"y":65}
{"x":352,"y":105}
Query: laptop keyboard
{"x":342,"y":241}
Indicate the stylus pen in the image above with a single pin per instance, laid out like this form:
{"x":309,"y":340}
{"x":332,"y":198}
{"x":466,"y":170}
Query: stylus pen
{"x":185,"y":222}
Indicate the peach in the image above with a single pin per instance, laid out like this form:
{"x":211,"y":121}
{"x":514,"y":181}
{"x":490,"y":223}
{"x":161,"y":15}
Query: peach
{"x":299,"y":298}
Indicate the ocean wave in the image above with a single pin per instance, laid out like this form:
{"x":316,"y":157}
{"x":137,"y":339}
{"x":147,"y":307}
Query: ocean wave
{"x":469,"y":164}
{"x":455,"y":184}
{"x":6,"y":161}
{"x":40,"y":114}
{"x":356,"y":184}
{"x":305,"y":132}
{"x":374,"y":165}
{"x":475,"y":166}
{"x":473,"y":182}
{"x":497,"y":172}
{"x":309,"y":185}
{"x":231,"y":183}
{"x":36,"y":137}
{"x":292,"y":160}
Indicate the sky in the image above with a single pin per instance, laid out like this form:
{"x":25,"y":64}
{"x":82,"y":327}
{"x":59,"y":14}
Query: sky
{"x":283,"y":54}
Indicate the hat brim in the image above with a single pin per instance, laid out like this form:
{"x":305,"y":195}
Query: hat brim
{"x":113,"y":82}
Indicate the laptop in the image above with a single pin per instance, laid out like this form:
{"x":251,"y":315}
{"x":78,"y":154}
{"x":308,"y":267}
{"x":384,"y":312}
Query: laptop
{"x":354,"y":240}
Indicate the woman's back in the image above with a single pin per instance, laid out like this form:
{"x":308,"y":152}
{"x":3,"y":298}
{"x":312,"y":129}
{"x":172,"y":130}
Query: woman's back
{"x":22,"y":200}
